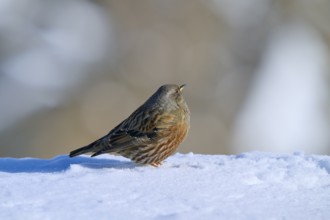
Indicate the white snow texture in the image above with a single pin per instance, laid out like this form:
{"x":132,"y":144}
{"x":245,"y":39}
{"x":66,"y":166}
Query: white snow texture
{"x":253,"y":185}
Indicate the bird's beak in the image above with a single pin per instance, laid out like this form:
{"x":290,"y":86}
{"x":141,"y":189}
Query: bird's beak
{"x":181,"y":87}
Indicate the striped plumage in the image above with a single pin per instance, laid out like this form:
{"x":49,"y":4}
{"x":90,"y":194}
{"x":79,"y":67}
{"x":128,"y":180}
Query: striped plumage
{"x":151,"y":133}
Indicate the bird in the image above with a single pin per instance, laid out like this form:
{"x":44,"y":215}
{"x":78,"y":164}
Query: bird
{"x":152,"y":133}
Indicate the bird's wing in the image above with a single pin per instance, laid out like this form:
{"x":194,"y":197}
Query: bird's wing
{"x":139,"y":129}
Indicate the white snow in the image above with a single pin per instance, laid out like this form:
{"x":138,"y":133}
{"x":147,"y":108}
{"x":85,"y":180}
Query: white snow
{"x":253,"y":185}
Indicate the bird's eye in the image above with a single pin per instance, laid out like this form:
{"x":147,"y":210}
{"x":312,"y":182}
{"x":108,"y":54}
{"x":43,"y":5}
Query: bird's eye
{"x":176,"y":93}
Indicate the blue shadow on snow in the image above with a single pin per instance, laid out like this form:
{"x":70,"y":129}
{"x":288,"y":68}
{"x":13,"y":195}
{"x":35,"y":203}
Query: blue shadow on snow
{"x":58,"y":164}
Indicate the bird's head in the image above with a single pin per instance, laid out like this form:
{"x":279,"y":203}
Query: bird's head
{"x":170,"y":95}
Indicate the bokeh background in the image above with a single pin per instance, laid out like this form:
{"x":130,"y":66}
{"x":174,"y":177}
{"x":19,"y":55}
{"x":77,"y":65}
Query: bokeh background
{"x":257,"y":71}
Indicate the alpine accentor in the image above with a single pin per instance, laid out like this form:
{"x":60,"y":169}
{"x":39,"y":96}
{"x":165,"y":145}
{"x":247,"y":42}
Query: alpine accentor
{"x":151,"y":133}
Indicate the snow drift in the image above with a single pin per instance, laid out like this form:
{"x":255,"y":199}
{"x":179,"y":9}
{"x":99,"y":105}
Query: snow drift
{"x":188,"y":186}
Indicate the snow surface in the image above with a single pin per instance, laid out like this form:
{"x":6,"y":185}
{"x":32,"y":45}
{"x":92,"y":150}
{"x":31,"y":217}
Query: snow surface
{"x":253,"y":185}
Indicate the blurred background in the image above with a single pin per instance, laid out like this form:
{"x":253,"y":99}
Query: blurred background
{"x":257,"y":71}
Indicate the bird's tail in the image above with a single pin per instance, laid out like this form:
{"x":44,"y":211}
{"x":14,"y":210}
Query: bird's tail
{"x":79,"y":151}
{"x":92,"y":147}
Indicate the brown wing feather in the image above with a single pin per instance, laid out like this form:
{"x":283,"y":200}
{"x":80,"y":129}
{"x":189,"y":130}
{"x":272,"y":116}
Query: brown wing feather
{"x":141,"y":129}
